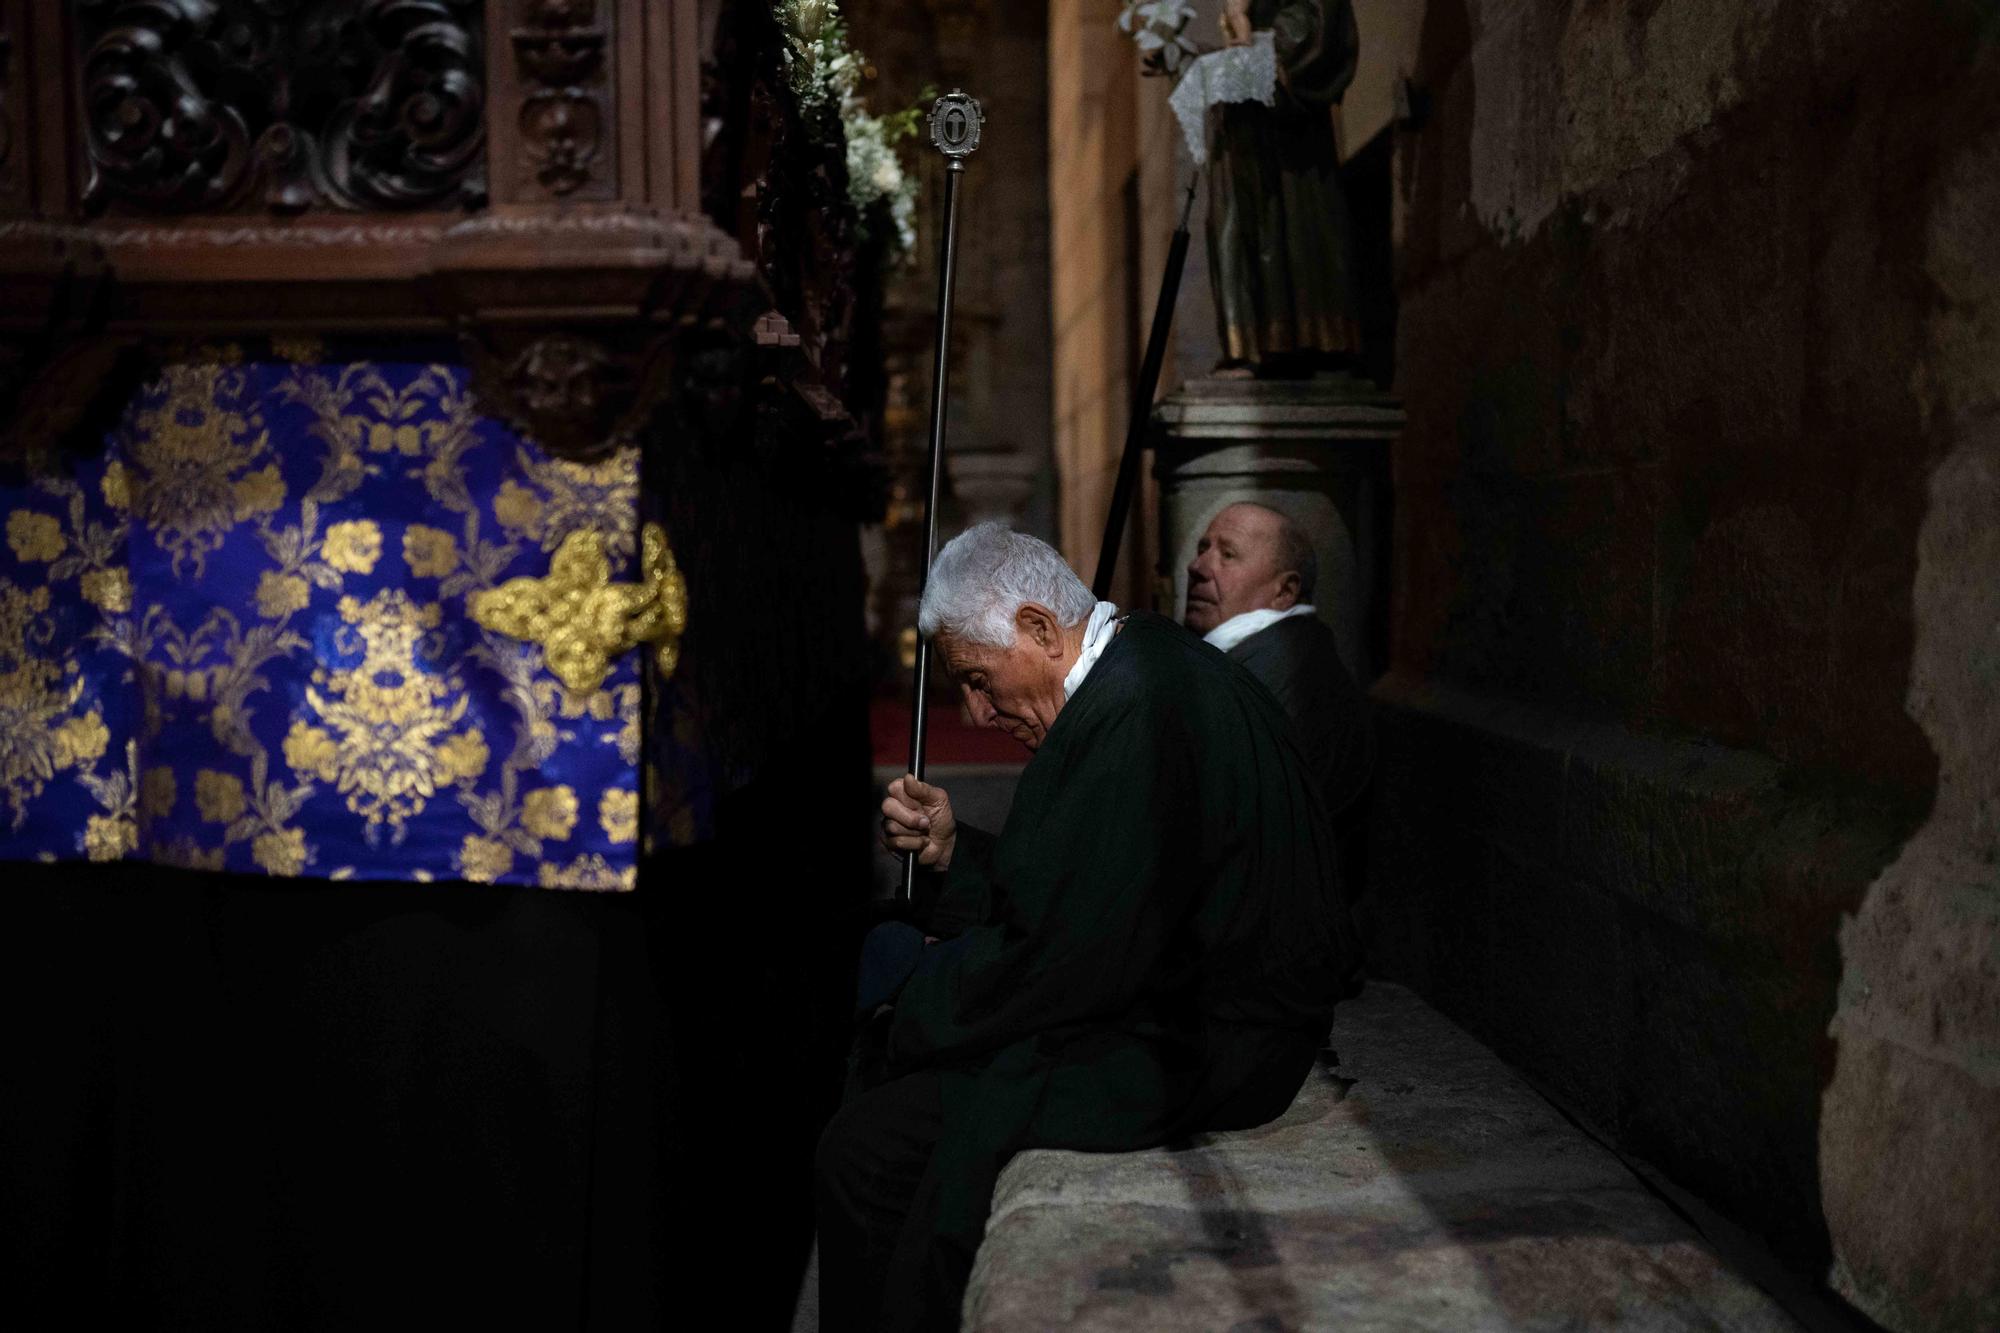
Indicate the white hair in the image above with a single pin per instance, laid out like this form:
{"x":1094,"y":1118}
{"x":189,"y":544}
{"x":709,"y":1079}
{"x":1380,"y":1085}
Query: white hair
{"x":986,"y":574}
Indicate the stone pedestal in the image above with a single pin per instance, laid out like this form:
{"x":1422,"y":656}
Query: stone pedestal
{"x":993,"y":486}
{"x":1316,"y":450}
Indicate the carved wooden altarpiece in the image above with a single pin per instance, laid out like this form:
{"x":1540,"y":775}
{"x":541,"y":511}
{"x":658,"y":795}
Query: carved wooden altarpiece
{"x":524,"y":175}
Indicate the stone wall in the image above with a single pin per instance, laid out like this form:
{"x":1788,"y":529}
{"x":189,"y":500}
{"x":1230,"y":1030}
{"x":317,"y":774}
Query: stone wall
{"x":1389,"y":32}
{"x":1117,"y":173}
{"x":1691,"y":804}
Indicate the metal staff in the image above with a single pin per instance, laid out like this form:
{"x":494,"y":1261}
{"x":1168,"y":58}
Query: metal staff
{"x":955,"y":123}
{"x":1142,"y":404}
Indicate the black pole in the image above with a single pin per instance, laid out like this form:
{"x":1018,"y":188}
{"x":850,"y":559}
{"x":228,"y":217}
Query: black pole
{"x":1142,"y":405}
{"x":955,"y":123}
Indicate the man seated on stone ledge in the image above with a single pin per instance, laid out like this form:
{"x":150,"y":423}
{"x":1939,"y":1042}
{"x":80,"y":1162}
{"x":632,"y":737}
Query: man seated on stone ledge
{"x":1151,"y":947}
{"x":1250,"y":589}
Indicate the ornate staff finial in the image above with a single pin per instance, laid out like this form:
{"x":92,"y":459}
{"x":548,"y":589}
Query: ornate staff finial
{"x":955,"y":122}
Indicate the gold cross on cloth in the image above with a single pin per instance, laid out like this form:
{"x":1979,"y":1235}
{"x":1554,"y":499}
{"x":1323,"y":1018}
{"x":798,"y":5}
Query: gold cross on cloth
{"x":582,"y":619}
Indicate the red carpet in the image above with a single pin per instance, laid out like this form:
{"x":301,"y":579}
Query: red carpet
{"x":952,"y":737}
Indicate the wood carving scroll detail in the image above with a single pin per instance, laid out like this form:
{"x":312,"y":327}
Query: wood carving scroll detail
{"x":560,"y":49}
{"x":577,"y":396}
{"x":218,"y":105}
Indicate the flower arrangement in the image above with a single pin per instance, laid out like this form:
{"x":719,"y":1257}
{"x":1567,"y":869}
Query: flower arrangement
{"x":875,"y":174}
{"x":826,"y":74}
{"x":1159,"y":29}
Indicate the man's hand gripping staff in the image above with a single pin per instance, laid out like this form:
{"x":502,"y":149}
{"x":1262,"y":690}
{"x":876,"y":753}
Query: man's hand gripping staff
{"x":917,"y":819}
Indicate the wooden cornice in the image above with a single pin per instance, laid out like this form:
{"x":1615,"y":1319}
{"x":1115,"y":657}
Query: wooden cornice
{"x":379,"y":274}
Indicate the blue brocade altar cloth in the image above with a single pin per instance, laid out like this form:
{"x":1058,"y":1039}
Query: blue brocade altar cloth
{"x":237,"y":639}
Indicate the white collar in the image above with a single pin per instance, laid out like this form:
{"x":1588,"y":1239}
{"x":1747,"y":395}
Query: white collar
{"x":1238,"y":628}
{"x":1097,"y":636}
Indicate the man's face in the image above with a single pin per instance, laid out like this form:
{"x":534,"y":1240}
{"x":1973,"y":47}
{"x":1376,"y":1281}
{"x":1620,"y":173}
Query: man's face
{"x":1235,"y":569}
{"x":1017,"y":689}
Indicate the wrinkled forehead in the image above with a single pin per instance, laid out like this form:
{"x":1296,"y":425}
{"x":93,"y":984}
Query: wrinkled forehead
{"x":1245,"y":523}
{"x":960,"y":658}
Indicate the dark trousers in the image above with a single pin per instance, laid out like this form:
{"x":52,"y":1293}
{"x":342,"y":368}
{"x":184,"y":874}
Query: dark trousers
{"x":882,"y":1263}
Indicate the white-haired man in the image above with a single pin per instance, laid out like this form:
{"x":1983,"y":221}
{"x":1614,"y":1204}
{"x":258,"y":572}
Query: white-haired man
{"x":1151,"y":946}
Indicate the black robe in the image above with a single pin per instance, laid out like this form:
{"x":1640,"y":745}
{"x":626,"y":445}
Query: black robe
{"x":1153,"y":944}
{"x":1298,"y":661}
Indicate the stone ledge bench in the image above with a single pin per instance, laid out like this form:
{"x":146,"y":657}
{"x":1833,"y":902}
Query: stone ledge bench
{"x":1435,"y":1190}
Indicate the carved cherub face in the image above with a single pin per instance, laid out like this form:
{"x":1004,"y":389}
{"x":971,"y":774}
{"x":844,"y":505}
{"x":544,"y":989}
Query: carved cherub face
{"x":560,"y":375}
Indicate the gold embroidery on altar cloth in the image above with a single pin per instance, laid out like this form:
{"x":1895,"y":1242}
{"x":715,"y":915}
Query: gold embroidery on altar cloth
{"x":198,"y":468}
{"x":204,"y":658}
{"x":582,"y":619}
{"x":572,"y":496}
{"x":590,"y":871}
{"x":39,"y":735}
{"x":386,"y":736}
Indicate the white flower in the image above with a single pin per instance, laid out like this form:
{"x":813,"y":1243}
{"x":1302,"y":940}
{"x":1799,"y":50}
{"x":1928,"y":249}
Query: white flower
{"x":1158,"y":29}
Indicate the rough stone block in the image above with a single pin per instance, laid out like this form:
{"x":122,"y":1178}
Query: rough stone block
{"x":1910,"y":1148}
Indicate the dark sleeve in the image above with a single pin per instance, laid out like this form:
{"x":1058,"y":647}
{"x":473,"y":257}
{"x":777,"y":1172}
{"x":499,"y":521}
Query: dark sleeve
{"x":1084,"y":910}
{"x":1303,"y":670}
{"x":968,"y":885}
{"x":1280,"y":667}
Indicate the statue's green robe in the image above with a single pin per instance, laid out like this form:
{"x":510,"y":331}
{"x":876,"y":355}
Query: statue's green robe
{"x":1280,"y":247}
{"x":1153,"y":944}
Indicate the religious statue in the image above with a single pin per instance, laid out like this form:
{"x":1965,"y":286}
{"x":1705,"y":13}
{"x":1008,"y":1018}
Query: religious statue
{"x":1279,"y":251}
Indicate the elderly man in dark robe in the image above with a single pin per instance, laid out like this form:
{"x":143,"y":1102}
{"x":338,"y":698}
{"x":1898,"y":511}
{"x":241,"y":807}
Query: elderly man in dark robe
{"x":1151,"y":947}
{"x":1250,"y":589}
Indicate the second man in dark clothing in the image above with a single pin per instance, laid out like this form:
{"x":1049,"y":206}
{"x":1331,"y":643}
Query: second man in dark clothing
{"x":1250,"y":591}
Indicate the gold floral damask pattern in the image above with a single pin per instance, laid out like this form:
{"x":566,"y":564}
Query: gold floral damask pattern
{"x":41,"y":734}
{"x":558,"y":496}
{"x":64,"y":736}
{"x":388,"y":732}
{"x":199,"y":463}
{"x":239,"y":640}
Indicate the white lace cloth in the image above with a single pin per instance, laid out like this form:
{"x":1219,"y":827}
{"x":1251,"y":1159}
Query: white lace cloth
{"x":1233,"y":74}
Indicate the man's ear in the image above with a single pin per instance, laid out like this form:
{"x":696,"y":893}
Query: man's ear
{"x":1287,"y":595}
{"x":1039,"y":624}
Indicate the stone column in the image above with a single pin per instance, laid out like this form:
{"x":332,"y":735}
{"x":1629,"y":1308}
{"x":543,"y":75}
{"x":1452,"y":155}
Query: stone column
{"x":992,"y":486}
{"x":1316,"y":450}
